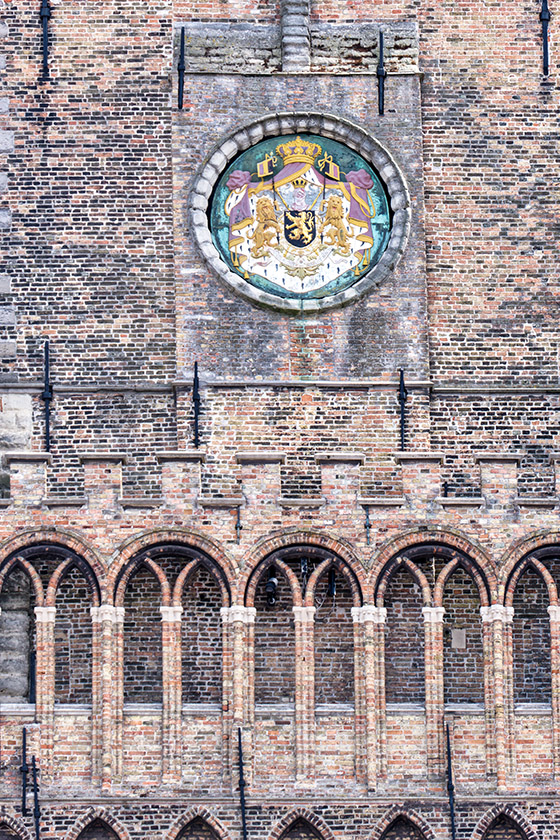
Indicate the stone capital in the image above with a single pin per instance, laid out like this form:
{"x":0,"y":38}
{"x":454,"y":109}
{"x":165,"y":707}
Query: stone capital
{"x":245,"y":614}
{"x":497,"y":612}
{"x":304,"y":614}
{"x":171,"y":613}
{"x":378,"y":615}
{"x":44,"y":615}
{"x":554,"y":612}
{"x":433,"y":615}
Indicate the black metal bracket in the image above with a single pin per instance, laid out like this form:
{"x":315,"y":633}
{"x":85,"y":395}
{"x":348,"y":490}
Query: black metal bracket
{"x":45,"y":14}
{"x":238,"y":526}
{"x":196,"y":405}
{"x":46,"y":396}
{"x":367,"y":524}
{"x":181,"y":71}
{"x":545,"y":20}
{"x":36,"y":808}
{"x":242,"y":785}
{"x":381,"y":76}
{"x":445,"y":489}
{"x":403,"y":396}
{"x":24,"y":770}
{"x":450,"y":785}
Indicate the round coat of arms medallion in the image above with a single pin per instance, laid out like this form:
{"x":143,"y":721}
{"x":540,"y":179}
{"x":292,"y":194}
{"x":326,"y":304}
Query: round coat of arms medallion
{"x":300,"y":216}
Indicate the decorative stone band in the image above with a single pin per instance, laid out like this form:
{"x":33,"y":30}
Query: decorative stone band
{"x":44,"y":615}
{"x":246,"y":615}
{"x":433,"y":615}
{"x":378,"y":615}
{"x":554,"y":612}
{"x":304,"y":614}
{"x":107,"y":612}
{"x":171,"y":613}
{"x":324,"y":125}
{"x":497,"y":612}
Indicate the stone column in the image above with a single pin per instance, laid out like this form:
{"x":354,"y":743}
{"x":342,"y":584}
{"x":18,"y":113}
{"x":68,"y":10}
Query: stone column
{"x":96,"y":697}
{"x":105,"y":618}
{"x":499,"y":615}
{"x":171,"y":701}
{"x":360,"y":739}
{"x":433,"y":657}
{"x":242,"y":620}
{"x":488,"y":664}
{"x":554,"y":614}
{"x":45,"y":618}
{"x":372,"y":620}
{"x":304,"y":618}
{"x":118,"y":696}
{"x":227,"y":691}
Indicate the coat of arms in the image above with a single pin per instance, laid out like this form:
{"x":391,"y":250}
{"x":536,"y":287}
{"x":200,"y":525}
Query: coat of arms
{"x":300,"y":221}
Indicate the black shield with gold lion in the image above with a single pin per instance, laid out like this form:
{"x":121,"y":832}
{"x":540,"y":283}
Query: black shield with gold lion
{"x":299,"y":227}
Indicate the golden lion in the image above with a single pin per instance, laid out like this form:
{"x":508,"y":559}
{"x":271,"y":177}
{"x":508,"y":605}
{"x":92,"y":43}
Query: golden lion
{"x":267,"y":227}
{"x":336,"y":233}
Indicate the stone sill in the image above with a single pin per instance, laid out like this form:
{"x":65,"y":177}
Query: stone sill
{"x":153,"y":709}
{"x":16,"y":709}
{"x":533,"y":709}
{"x":537,"y":503}
{"x":460,"y":501}
{"x":261,"y":457}
{"x":201,"y":709}
{"x":283,"y":501}
{"x":264,"y":710}
{"x":68,"y":501}
{"x":464,"y":709}
{"x":406,"y":709}
{"x":72,"y":709}
{"x":182,"y":455}
{"x":334,"y":709}
{"x":221,"y":501}
{"x":340,"y":457}
{"x":382,"y":501}
{"x":501,"y":457}
{"x":141,"y":503}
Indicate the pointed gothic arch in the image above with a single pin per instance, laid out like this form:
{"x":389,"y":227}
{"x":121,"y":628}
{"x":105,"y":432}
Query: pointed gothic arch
{"x":189,"y":817}
{"x":513,"y":814}
{"x":409,"y":815}
{"x":14,"y":826}
{"x":289,"y":820}
{"x":93,"y":815}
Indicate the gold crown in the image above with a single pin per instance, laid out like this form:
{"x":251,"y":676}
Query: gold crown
{"x":299,"y":183}
{"x":299,"y":151}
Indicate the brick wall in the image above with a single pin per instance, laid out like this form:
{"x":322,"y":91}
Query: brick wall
{"x":142,"y":639}
{"x":73,"y":649}
{"x":404,"y":640}
{"x":201,"y":636}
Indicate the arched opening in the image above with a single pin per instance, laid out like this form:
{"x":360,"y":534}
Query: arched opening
{"x":142,"y":648}
{"x":531,"y":639}
{"x":198,"y":829}
{"x":404,"y":640}
{"x":301,"y":830}
{"x":98,"y":830}
{"x":73,"y":639}
{"x":463,"y":655}
{"x":7,"y":833}
{"x":274,"y":639}
{"x":504,"y":828}
{"x":403,"y":829}
{"x":334,"y":639}
{"x":17,"y":638}
{"x":201,"y":638}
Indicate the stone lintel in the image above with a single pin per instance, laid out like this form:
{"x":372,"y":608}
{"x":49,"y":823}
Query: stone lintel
{"x":101,"y":457}
{"x":64,"y":501}
{"x":141,"y":503}
{"x":221,"y":501}
{"x":341,"y":457}
{"x":381,"y":501}
{"x":261,"y":457}
{"x":402,"y":457}
{"x":499,"y":457}
{"x":460,"y":501}
{"x":301,"y":502}
{"x":186,"y":455}
{"x":31,"y":457}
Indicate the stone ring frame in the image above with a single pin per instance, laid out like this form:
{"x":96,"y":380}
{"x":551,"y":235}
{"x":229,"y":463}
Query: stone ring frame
{"x":326,"y":125}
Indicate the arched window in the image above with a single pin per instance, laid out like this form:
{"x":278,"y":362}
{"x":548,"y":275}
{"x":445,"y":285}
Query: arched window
{"x":531,"y":639}
{"x":142,"y":650}
{"x":17,"y":638}
{"x":274,"y":639}
{"x":73,"y":639}
{"x":403,"y":829}
{"x":463,"y":656}
{"x":198,"y":829}
{"x":504,"y":828}
{"x":201,"y":639}
{"x":334,"y":639}
{"x":98,"y":830}
{"x":301,"y":830}
{"x":404,"y":640}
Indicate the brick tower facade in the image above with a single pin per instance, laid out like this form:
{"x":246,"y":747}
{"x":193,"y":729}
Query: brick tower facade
{"x":336,"y":540}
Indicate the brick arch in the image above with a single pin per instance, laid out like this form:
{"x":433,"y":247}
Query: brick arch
{"x":393,"y":814}
{"x":15,"y":825}
{"x":471,"y":569}
{"x":541,"y":570}
{"x":54,"y":537}
{"x":313,"y":820}
{"x":432,"y":536}
{"x":189,"y":570}
{"x":415,"y":573}
{"x":196,"y":813}
{"x":317,"y":539}
{"x":521,"y":551}
{"x":129,"y":571}
{"x":26,"y":566}
{"x":90,"y":816}
{"x":344,"y":571}
{"x":288,"y":573}
{"x":169,"y":537}
{"x":60,"y":573}
{"x":510,"y":811}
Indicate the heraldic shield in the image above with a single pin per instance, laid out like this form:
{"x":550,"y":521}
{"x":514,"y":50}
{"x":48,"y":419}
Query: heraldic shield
{"x":299,"y":227}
